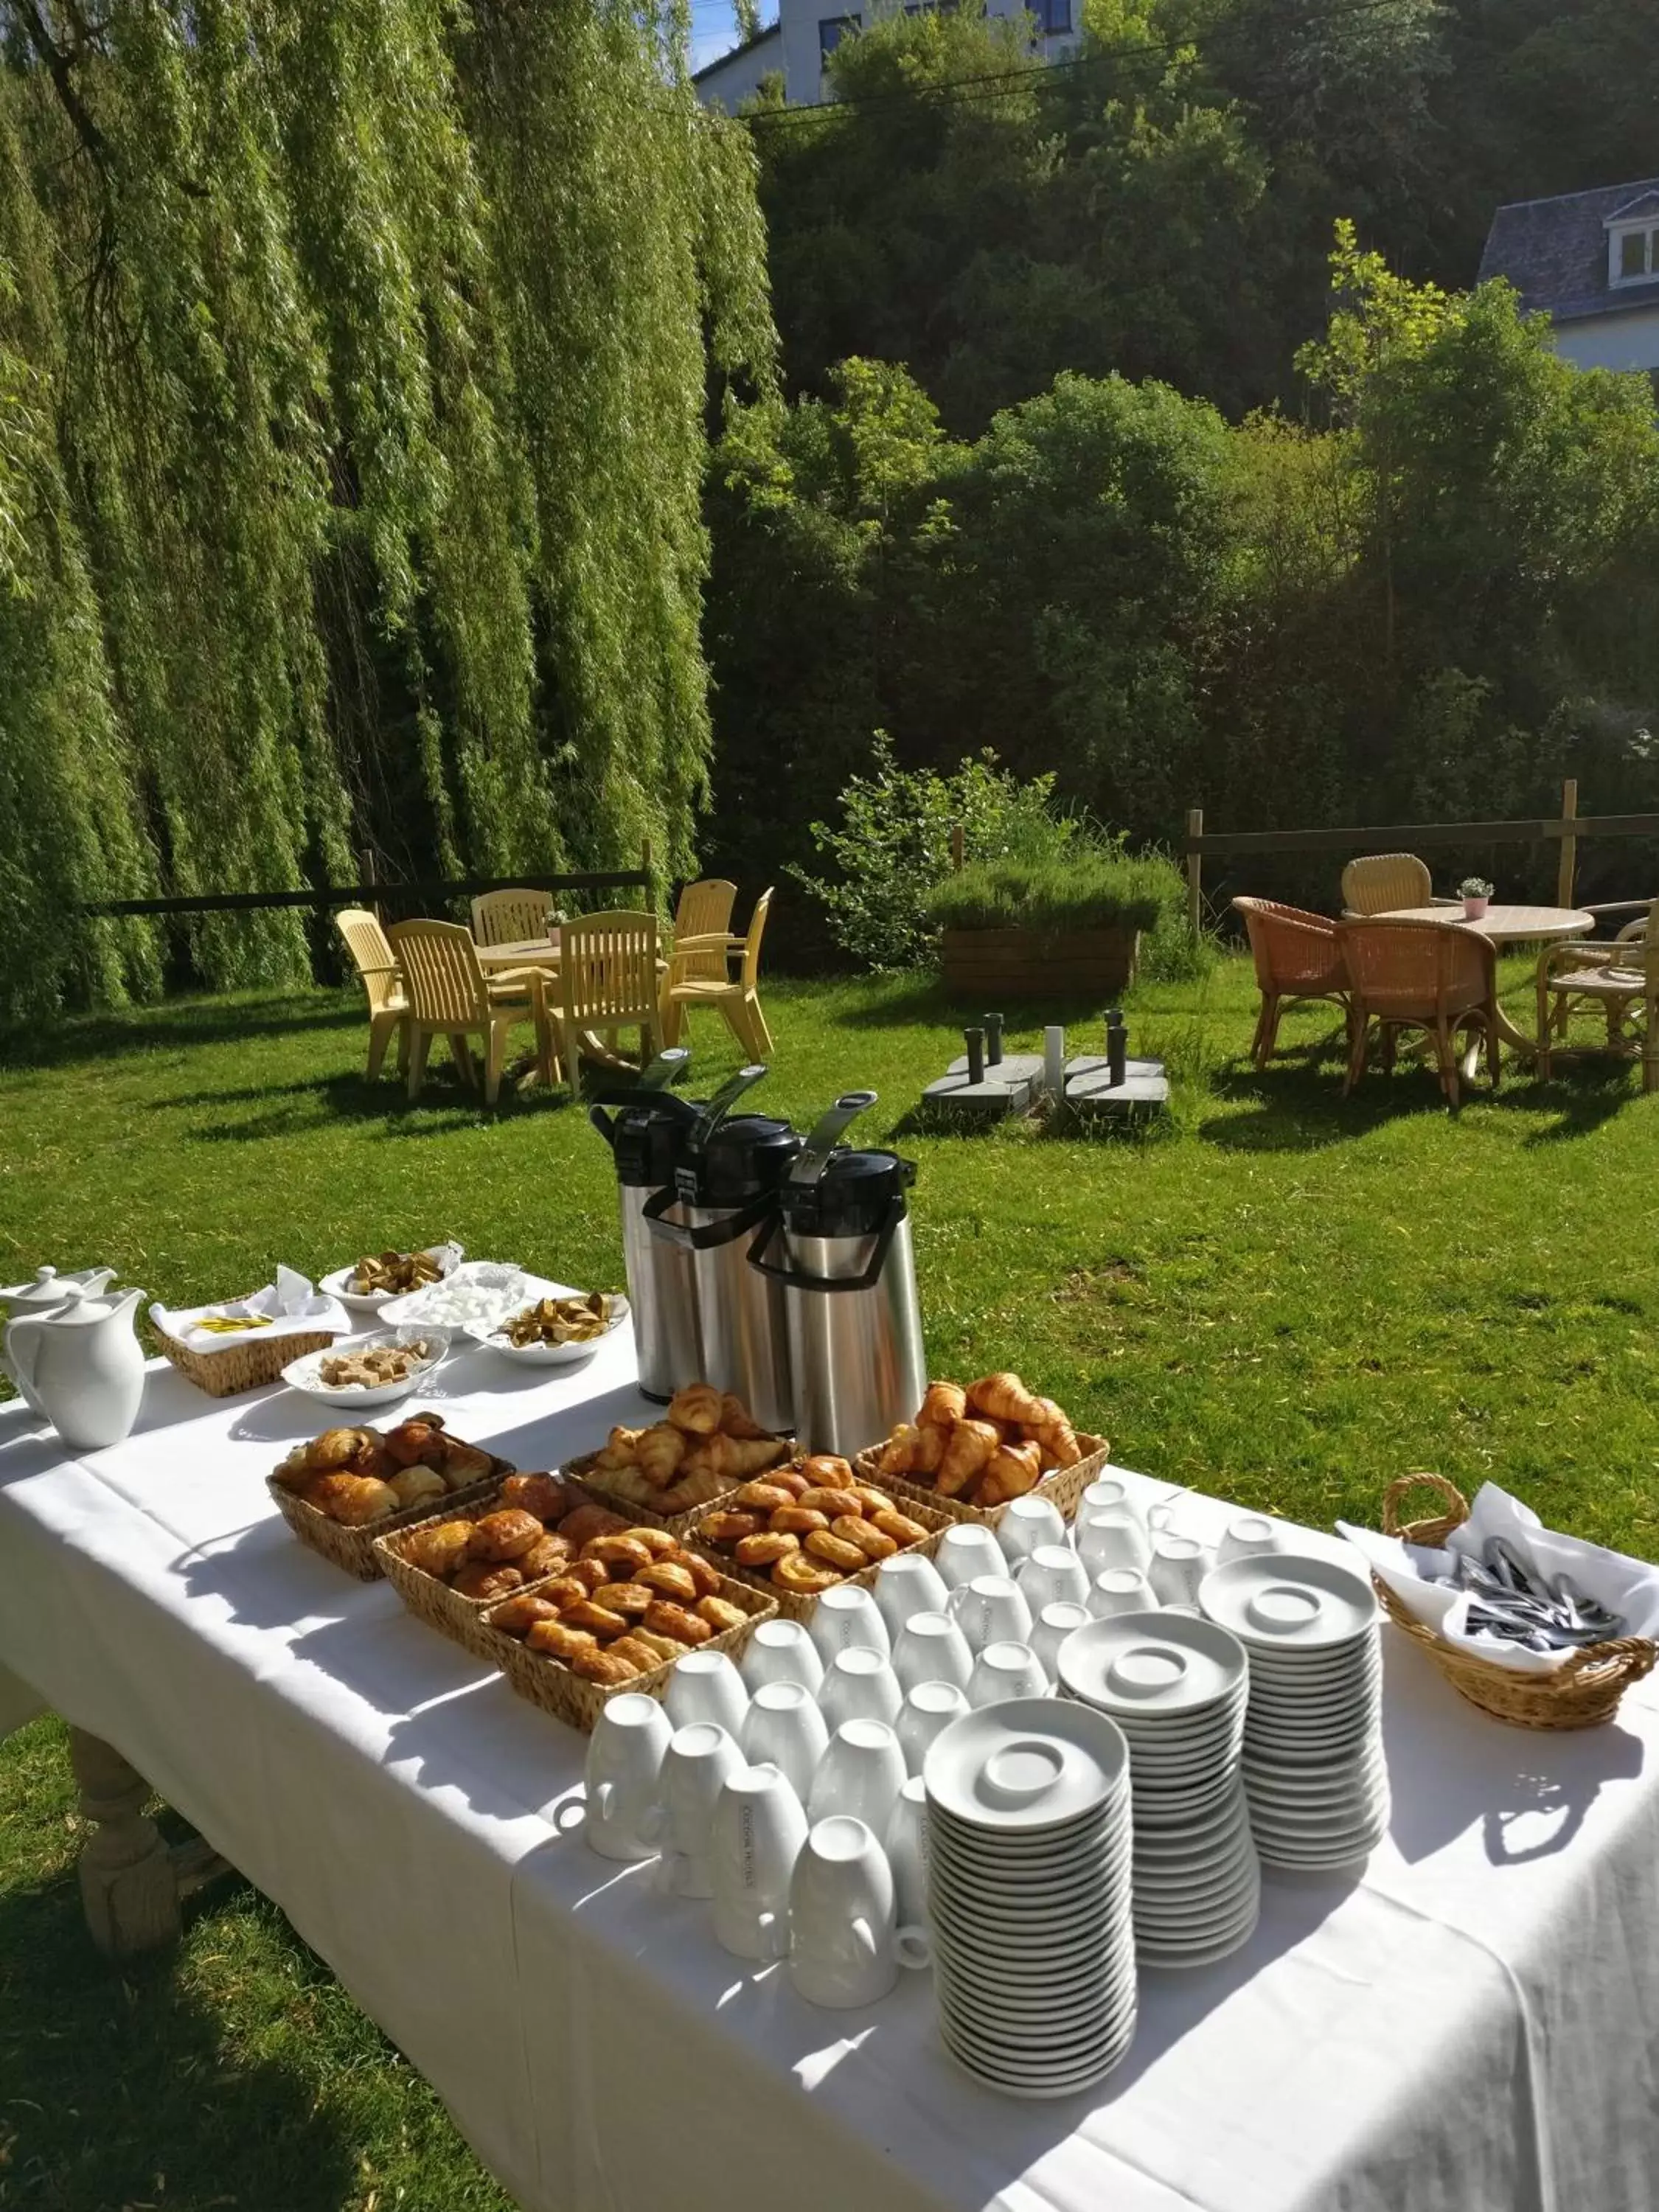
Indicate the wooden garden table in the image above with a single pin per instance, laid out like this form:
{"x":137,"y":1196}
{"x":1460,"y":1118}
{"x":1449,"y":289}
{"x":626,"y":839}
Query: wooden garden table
{"x":528,"y":952}
{"x":1502,"y":925}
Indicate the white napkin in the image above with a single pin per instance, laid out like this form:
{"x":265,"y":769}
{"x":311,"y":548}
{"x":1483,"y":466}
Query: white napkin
{"x":293,"y":1306}
{"x":1630,"y":1587}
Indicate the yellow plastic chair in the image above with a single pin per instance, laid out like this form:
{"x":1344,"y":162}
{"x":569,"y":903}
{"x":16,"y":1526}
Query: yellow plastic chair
{"x":607,"y":982}
{"x":449,"y":995}
{"x":738,"y":1001}
{"x":377,"y":965}
{"x":1388,"y":883}
{"x":510,"y":917}
{"x":703,"y":931}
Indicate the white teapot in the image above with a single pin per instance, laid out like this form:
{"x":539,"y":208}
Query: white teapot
{"x":80,"y":1364}
{"x":45,"y":1294}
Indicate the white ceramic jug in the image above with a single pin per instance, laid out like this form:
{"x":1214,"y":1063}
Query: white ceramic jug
{"x":82,"y":1366}
{"x":45,"y":1294}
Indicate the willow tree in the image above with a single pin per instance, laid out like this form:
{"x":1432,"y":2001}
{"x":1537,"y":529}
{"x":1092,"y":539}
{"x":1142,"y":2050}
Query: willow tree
{"x":354,"y":363}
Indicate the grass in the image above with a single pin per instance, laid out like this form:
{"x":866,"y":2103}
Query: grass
{"x":1285,"y":1298}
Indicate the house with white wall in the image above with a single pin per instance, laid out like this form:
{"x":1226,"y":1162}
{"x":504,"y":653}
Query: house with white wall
{"x":1590,"y":261}
{"x":807,"y":32}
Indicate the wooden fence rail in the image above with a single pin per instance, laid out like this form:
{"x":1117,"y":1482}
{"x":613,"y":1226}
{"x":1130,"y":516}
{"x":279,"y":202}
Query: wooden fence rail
{"x":1571,"y":829}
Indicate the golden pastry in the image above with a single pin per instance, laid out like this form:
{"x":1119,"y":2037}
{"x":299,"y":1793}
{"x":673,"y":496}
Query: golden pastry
{"x":517,"y":1616}
{"x":800,"y":1520}
{"x":828,"y":1502}
{"x":761,"y":1497}
{"x":728,"y":1528}
{"x":790,"y":1478}
{"x":559,"y":1640}
{"x":827,"y":1470}
{"x":863,"y":1535}
{"x":627,"y":1598}
{"x":590,"y":1573}
{"x":1056,"y":1436}
{"x":334,"y":1448}
{"x":663,"y":1543}
{"x":590,"y":1521}
{"x":1011,"y":1472}
{"x":412,"y":1442}
{"x":705,"y":1576}
{"x":697,"y":1407}
{"x":353,"y":1500}
{"x":464,"y":1463}
{"x":593,"y":1616}
{"x":622,"y":1445}
{"x":619,"y":1553}
{"x":762,"y":1550}
{"x":871,"y":1500}
{"x":736,"y":1420}
{"x":720,"y":1614}
{"x":547,"y":1555}
{"x":902,"y":1452}
{"x":1004,"y":1398}
{"x":415,"y":1484}
{"x":440,"y":1549}
{"x":663,"y":1647}
{"x":666,"y":1619}
{"x":972,"y":1443}
{"x":803,"y":1574}
{"x":659,"y":1452}
{"x":372,"y":1459}
{"x":480,"y":1579}
{"x":899,"y":1526}
{"x":836,"y":1550}
{"x":565,"y":1591}
{"x":603,"y":1667}
{"x":668,"y":1578}
{"x":943,"y":1406}
{"x":505,"y":1534}
{"x":546,"y":1496}
{"x":637,"y":1652}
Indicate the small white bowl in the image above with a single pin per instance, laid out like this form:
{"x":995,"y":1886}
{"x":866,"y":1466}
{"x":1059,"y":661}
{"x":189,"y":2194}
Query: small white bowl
{"x":305,"y":1374}
{"x":485,"y":1291}
{"x":448,"y":1257}
{"x":557,"y":1355}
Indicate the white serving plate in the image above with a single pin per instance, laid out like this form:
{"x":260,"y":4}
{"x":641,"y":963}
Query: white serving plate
{"x":554,"y":1355}
{"x":305,"y":1374}
{"x":448,"y":1257}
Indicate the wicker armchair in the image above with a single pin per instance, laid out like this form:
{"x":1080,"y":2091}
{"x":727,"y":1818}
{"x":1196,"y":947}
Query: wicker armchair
{"x":1428,"y":976}
{"x":1296,"y":958}
{"x":1384,"y":883}
{"x":1619,"y":978}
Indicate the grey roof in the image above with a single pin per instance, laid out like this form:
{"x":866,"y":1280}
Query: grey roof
{"x":743,"y":46}
{"x":1555,"y":251}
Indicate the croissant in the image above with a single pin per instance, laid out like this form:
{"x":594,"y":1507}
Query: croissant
{"x":698,"y":1407}
{"x":736,"y":1420}
{"x":1054,"y":1435}
{"x":971,"y":1445}
{"x":945,"y":1404}
{"x":1004,"y":1398}
{"x":658,"y":1452}
{"x":900,"y":1452}
{"x":1010,"y":1472}
{"x":622,"y":1445}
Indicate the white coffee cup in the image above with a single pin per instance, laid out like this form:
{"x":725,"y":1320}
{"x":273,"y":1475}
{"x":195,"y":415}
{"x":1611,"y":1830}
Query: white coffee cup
{"x":847,"y":1618}
{"x":759,"y":1828}
{"x":932,"y":1648}
{"x":1006,"y":1670}
{"x":859,"y":1684}
{"x":784,"y":1727}
{"x":1029,"y":1522}
{"x":1115,"y":1539}
{"x":908,"y":1583}
{"x":623,"y":1773}
{"x":699,"y":1760}
{"x":1245,"y":1537}
{"x":861,"y":1773}
{"x":1179,"y":1565}
{"x":781,"y":1651}
{"x":906,"y":1845}
{"x":929,"y":1709}
{"x":991,"y":1609}
{"x":1052,"y":1575}
{"x":1105,"y":1494}
{"x":968,"y":1549}
{"x":1121,"y":1589}
{"x":705,"y":1685}
{"x":1050,"y":1630}
{"x":841,"y":1916}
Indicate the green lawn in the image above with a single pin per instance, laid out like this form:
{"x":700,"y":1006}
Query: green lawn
{"x":1285,"y":1298}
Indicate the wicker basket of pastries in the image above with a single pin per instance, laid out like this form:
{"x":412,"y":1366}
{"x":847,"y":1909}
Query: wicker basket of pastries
{"x":633,"y":1602}
{"x":970,"y":1450}
{"x":802,"y":1528}
{"x":697,"y":1454}
{"x":349,"y":1486}
{"x":451,"y":1565}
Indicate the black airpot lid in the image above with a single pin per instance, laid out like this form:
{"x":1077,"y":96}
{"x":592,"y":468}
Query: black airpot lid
{"x":851,"y":1198}
{"x":746,"y":1156}
{"x":650,"y":1142}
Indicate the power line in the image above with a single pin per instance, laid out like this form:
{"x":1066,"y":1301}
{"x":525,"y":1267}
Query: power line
{"x":1031,"y":73}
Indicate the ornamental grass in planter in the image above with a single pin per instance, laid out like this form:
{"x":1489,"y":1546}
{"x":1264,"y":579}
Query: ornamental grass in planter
{"x":1048,"y":928}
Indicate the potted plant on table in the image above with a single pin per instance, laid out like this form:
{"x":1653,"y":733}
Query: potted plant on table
{"x":1476,"y":893}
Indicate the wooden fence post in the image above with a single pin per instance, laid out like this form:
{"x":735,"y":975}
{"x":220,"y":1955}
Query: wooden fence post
{"x":956,"y":846}
{"x":1568,"y":843}
{"x":367,"y":876}
{"x":1194,"y":873}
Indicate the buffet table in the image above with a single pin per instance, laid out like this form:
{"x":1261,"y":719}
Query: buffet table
{"x":1472,"y":2026}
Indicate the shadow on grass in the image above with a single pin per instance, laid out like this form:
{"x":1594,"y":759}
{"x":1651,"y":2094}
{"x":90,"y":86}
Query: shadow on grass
{"x":445,"y":1103}
{"x":116,"y":2078}
{"x":193,"y":1022}
{"x":1581,"y":1098}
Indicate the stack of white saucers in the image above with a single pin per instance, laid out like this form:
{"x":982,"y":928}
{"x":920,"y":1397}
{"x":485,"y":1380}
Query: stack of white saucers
{"x":1178,"y":1688}
{"x":1029,"y":1894}
{"x":1313,"y":1765}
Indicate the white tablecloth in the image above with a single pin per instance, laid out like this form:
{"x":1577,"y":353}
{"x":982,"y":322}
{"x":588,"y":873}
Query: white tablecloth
{"x":1472,"y":2028}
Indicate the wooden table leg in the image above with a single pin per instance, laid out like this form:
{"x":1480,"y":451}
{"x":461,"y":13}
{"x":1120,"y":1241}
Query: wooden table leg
{"x":132,"y":1884}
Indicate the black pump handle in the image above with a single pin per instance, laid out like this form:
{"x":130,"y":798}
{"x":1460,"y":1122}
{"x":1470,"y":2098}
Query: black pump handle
{"x":796,"y":1278}
{"x":723,"y":1101}
{"x":809,"y":1166}
{"x":711,"y":1234}
{"x":653,"y":1083}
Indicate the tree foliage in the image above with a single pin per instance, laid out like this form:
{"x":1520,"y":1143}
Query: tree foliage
{"x":354,"y":362}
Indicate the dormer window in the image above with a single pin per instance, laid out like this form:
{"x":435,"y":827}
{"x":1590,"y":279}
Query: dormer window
{"x":1634,"y":242}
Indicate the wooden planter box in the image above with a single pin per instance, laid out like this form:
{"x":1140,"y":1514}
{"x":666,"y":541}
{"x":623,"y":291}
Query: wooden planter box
{"x":1038,"y":963}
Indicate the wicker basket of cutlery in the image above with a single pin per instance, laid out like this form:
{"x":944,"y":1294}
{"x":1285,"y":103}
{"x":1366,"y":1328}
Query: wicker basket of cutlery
{"x":1583,"y":1692}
